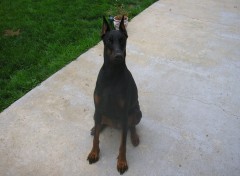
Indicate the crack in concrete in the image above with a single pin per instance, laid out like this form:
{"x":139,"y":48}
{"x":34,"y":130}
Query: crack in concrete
{"x":206,"y":103}
{"x":201,"y":101}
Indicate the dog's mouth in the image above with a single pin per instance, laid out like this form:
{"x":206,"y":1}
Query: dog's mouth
{"x":118,"y":59}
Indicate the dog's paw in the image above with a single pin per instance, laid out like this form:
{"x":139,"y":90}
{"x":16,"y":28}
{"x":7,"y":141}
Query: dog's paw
{"x":93,"y":157}
{"x":122,"y":166}
{"x":135,"y":140}
{"x":134,"y":137}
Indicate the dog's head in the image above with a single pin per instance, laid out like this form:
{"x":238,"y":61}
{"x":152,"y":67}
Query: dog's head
{"x":114,"y":43}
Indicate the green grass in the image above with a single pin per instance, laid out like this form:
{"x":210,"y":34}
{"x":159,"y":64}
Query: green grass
{"x":52,"y":34}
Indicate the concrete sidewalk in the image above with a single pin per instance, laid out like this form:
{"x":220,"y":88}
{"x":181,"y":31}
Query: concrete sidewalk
{"x":185,"y":58}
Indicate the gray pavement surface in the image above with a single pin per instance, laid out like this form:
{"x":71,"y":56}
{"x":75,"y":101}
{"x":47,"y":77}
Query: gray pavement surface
{"x":185,"y":58}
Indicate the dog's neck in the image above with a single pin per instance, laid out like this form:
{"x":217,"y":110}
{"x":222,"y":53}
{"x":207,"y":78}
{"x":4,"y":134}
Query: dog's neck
{"x":113,"y":70}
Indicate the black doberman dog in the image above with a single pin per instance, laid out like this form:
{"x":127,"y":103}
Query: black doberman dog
{"x":115,"y":95}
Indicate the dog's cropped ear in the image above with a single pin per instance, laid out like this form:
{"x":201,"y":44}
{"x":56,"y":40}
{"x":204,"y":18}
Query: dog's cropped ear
{"x":122,"y":27}
{"x":105,"y":27}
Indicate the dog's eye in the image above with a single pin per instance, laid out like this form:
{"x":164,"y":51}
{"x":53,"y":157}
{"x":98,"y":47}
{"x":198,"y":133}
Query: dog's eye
{"x":121,"y":40}
{"x":110,"y":40}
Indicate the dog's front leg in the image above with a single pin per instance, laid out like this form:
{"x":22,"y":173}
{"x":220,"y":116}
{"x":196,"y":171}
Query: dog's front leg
{"x":94,"y":154}
{"x":122,"y":165}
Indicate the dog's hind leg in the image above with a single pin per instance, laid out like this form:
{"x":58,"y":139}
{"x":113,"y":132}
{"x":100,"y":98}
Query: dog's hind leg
{"x":134,"y":136}
{"x":134,"y":118}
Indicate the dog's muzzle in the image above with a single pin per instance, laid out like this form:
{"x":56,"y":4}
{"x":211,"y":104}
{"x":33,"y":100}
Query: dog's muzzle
{"x":118,"y":58}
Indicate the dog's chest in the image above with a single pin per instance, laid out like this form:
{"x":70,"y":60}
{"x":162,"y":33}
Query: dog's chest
{"x":113,"y":97}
